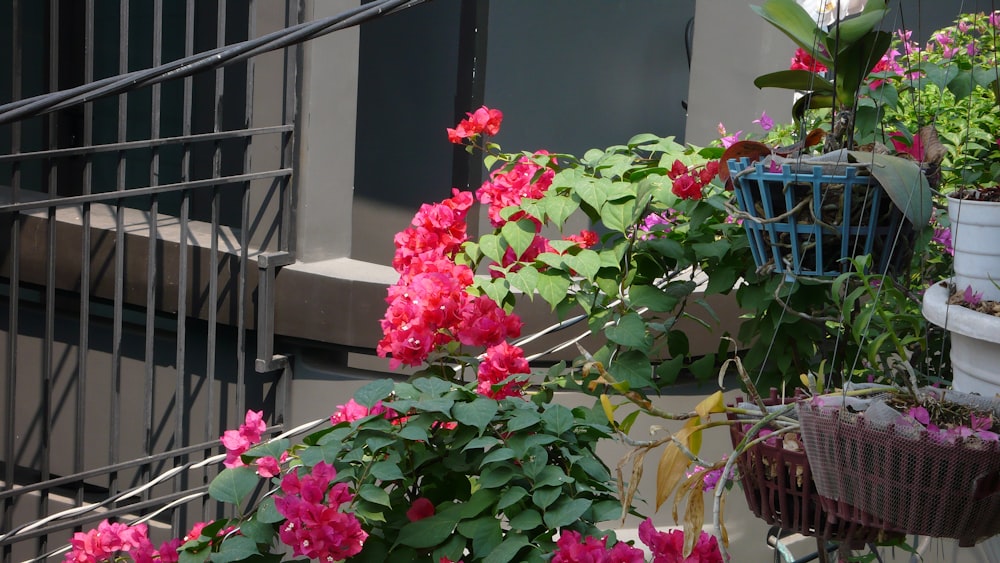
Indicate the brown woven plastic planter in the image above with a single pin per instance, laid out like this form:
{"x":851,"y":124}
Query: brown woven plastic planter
{"x":779,"y":488}
{"x":913,"y":485}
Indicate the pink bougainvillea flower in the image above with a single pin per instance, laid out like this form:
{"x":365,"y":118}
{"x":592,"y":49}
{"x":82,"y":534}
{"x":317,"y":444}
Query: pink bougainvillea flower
{"x":420,"y":509}
{"x":315,"y":527}
{"x":730,"y":140}
{"x":508,"y":186}
{"x":902,"y":145}
{"x":483,"y":120}
{"x":109,"y":541}
{"x":352,"y":410}
{"x":499,"y":363}
{"x":668,"y":547}
{"x":483,"y":323}
{"x":572,"y":548}
{"x":268,"y":466}
{"x":994,"y":18}
{"x":237,"y":442}
{"x":981,"y":427}
{"x":765,"y":121}
{"x":802,"y":60}
{"x":919,"y":414}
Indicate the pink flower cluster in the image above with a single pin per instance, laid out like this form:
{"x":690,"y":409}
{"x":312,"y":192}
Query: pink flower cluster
{"x":979,"y":427}
{"x":110,"y":541}
{"x":687,"y":184}
{"x":237,"y":442}
{"x":570,"y":548}
{"x":352,"y":410}
{"x":315,"y":527}
{"x":667,"y":547}
{"x":509,"y":186}
{"x":483,"y":120}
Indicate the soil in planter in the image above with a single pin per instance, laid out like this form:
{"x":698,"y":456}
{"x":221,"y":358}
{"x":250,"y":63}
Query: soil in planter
{"x":980,"y":306}
{"x":991,"y":193}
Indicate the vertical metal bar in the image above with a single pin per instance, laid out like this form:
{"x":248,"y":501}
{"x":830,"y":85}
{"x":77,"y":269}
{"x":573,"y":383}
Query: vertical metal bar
{"x":244,"y":270}
{"x":180,"y":399}
{"x":10,"y":434}
{"x":51,"y":171}
{"x":151,"y":258}
{"x":213,"y":267}
{"x":84,"y":343}
{"x":119,"y":269}
{"x":294,"y":14}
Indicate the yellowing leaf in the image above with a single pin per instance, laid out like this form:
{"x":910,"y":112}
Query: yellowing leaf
{"x":694,"y":518}
{"x":674,"y":461}
{"x":609,"y":409}
{"x":710,"y":404}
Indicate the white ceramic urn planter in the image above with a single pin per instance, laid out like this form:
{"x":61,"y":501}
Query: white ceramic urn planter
{"x":975,"y":235}
{"x":975,"y":341}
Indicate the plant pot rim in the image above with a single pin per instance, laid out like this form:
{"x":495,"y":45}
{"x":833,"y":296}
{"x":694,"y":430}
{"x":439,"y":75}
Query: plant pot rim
{"x":957,"y":318}
{"x":974,"y":202}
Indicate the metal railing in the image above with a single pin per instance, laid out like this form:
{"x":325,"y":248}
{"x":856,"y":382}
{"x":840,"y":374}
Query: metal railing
{"x":145,"y":211}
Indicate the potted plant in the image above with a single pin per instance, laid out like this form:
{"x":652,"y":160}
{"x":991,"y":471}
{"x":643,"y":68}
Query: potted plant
{"x":923,"y":462}
{"x":805,"y":214}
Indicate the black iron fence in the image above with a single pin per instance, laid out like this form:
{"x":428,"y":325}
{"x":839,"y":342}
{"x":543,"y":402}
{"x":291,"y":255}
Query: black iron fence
{"x":146,"y":212}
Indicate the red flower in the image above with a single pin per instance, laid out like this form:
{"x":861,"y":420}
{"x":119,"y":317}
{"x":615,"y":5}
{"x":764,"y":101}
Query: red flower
{"x":805,"y":61}
{"x":483,"y":323}
{"x":420,"y":509}
{"x":687,"y":187}
{"x":585,"y":239}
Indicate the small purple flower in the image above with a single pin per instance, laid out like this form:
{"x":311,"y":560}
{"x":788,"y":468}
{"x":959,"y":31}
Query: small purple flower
{"x":972,"y":298}
{"x":994,"y":19}
{"x":942,"y":236}
{"x":963,"y":26}
{"x":765,"y":121}
{"x":919,"y":414}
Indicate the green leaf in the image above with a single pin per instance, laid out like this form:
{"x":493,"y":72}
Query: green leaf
{"x":586,"y":263}
{"x":523,"y":419}
{"x":483,"y":442}
{"x":525,"y":279}
{"x":652,"y":298}
{"x":233,"y":484}
{"x":526,"y":520}
{"x":605,"y":510}
{"x":511,"y":496}
{"x":558,"y":208}
{"x":534,"y":460}
{"x":507,"y":550}
{"x":565,"y":513}
{"x":492,"y":247}
{"x":386,"y":471}
{"x":592,"y":191}
{"x":551,"y":476}
{"x":273,"y":448}
{"x":432,"y":385}
{"x":477,"y":414}
{"x":545,"y":496}
{"x":235,"y":548}
{"x":518,"y":235}
{"x":553,"y":286}
{"x":667,"y":247}
{"x":375,"y":494}
{"x":499,"y":454}
{"x":962,"y":85}
{"x":905,"y":184}
{"x":374,"y":392}
{"x":668,"y":370}
{"x":633,"y":368}
{"x":496,"y":476}
{"x":259,"y":532}
{"x":717,"y":249}
{"x":703,"y":368}
{"x":480,"y":500}
{"x":629,"y":331}
{"x":267,"y":513}
{"x":619,"y":215}
{"x":558,"y":419}
{"x":796,"y":23}
{"x":427,"y":532}
{"x":484,"y":532}
{"x":852,"y":29}
{"x":497,"y":289}
{"x":442,"y":406}
{"x":795,"y":80}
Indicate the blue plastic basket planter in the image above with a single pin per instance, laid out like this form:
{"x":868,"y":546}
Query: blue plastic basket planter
{"x":807,"y":221}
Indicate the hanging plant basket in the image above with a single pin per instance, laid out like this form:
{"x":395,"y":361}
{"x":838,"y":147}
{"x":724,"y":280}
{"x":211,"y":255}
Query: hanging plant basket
{"x":902,"y":479}
{"x":779,"y":488}
{"x":807,"y":219}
